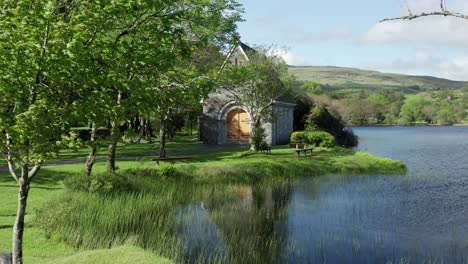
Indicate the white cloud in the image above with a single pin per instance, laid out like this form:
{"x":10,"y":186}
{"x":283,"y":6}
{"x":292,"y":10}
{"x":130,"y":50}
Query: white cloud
{"x":442,"y":36}
{"x":425,"y":61}
{"x":428,"y":30}
{"x":289,"y":57}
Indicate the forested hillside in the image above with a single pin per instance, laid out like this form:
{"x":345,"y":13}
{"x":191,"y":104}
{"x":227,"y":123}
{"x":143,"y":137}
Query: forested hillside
{"x":372,"y":98}
{"x":343,"y":80}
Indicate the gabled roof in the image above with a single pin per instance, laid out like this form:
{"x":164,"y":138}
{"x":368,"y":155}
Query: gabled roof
{"x":246,"y":48}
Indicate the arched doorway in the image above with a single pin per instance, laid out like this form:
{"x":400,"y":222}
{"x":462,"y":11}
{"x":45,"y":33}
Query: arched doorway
{"x":238,"y":125}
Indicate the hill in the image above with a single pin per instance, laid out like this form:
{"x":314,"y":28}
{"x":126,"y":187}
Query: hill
{"x":341,"y":79}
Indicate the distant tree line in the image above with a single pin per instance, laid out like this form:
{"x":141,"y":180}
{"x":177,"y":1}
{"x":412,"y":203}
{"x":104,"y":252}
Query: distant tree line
{"x":384,"y":107}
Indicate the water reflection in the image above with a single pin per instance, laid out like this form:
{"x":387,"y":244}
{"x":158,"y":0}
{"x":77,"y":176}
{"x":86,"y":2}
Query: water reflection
{"x":415,"y":218}
{"x":245,"y":227}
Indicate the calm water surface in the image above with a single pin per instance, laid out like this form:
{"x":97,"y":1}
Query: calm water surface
{"x":421,"y":217}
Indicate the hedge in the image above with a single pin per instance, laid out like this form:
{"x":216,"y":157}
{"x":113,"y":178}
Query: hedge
{"x":317,"y":138}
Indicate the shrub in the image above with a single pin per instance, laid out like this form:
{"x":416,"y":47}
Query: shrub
{"x":317,"y":138}
{"x":309,"y":115}
{"x":258,"y":137}
{"x":298,"y":137}
{"x":263,"y":145}
{"x":347,"y":138}
{"x":103,"y":183}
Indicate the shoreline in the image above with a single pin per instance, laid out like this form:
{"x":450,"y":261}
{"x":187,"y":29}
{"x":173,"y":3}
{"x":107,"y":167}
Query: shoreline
{"x":162,"y":187}
{"x":417,"y":125}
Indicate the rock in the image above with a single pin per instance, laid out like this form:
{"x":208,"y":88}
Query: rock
{"x":5,"y":258}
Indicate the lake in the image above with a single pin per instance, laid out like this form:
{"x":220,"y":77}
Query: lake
{"x":418,"y":217}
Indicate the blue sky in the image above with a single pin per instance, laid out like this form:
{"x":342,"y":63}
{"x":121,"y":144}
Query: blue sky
{"x":348,"y":33}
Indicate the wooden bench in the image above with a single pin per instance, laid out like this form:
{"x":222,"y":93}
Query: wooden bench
{"x":171,"y":160}
{"x":298,"y":151}
{"x":304,"y":150}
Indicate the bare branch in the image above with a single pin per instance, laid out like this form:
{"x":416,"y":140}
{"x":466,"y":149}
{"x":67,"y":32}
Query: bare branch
{"x":408,"y":8}
{"x":439,"y":13}
{"x":443,"y":12}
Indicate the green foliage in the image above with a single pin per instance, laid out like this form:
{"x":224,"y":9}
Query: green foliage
{"x":103,"y":183}
{"x":373,"y":98}
{"x":146,"y":216}
{"x":316,"y":138}
{"x":412,"y":110}
{"x":117,"y":255}
{"x":319,"y":138}
{"x":297,"y":137}
{"x":312,"y":87}
{"x":318,"y":117}
{"x":169,"y":171}
{"x":258,"y":137}
{"x":446,"y":116}
{"x":256,"y":84}
{"x":81,"y":62}
{"x":86,"y":61}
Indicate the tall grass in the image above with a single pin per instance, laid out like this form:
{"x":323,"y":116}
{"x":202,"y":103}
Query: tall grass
{"x":243,"y":198}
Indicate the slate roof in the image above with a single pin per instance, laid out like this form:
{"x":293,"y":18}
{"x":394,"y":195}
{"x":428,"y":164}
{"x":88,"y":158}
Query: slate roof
{"x":245,"y":47}
{"x":286,"y":98}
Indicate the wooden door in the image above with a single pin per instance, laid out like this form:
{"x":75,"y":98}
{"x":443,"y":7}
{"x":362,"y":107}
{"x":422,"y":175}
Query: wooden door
{"x":238,"y":125}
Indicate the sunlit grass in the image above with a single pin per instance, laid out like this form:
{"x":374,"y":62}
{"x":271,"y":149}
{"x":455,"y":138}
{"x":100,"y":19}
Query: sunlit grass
{"x":76,"y":222}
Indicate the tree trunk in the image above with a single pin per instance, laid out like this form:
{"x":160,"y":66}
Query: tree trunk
{"x":111,"y":157}
{"x":112,"y":148}
{"x":148,"y":131}
{"x":18,"y":228}
{"x":190,"y":126}
{"x":92,"y":153}
{"x":114,"y":136}
{"x":141,"y":130}
{"x":162,"y":139}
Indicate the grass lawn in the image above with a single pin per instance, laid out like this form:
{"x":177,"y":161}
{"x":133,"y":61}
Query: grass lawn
{"x":210,"y":165}
{"x":127,"y":150}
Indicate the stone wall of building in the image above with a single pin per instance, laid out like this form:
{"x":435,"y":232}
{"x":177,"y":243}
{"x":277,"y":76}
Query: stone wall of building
{"x":213,"y":124}
{"x":213,"y":120}
{"x":283,"y":121}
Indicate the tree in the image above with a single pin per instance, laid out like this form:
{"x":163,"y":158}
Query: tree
{"x":312,"y":87}
{"x":181,"y":88}
{"x":446,"y":116}
{"x":35,"y":93}
{"x":320,"y":118}
{"x":379,"y":105}
{"x":257,"y":84}
{"x":63,"y":62}
{"x":355,"y":111}
{"x":139,"y":48}
{"x":412,"y":110}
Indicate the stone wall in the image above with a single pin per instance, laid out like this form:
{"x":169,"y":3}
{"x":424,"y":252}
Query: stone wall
{"x":213,"y":125}
{"x":283,"y":121}
{"x":213,"y":120}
